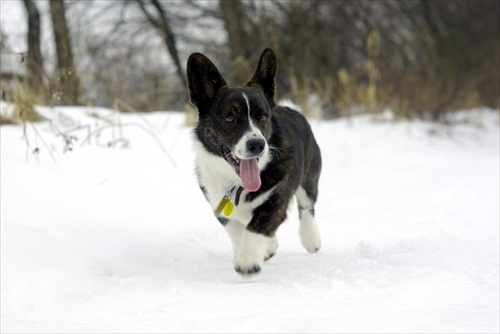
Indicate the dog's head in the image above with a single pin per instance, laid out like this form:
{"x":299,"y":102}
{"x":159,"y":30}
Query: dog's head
{"x":235,"y":122}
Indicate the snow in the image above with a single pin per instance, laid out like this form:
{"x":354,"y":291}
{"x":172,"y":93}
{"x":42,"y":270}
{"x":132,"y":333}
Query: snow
{"x":121,"y":239}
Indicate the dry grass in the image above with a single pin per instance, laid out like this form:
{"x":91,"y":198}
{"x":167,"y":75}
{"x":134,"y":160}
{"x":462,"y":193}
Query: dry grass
{"x":23,"y":98}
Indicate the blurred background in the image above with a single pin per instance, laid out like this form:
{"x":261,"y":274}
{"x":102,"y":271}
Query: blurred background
{"x":418,"y":58}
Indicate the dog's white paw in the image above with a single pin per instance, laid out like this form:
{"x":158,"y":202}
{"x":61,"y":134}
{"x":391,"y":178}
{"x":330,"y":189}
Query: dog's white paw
{"x":251,"y":253}
{"x":309,"y":235}
{"x":248,"y":265}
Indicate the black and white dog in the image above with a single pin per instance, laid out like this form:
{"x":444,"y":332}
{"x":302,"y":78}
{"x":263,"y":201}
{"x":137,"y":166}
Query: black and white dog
{"x":252,"y":158}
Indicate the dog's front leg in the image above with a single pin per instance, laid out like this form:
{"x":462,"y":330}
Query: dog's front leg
{"x":235,"y":231}
{"x":258,"y":241}
{"x":252,"y":250}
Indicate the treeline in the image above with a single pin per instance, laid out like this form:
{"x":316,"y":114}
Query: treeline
{"x":418,"y":58}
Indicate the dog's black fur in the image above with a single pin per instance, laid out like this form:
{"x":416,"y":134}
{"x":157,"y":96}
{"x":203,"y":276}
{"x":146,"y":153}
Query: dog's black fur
{"x":243,"y":126}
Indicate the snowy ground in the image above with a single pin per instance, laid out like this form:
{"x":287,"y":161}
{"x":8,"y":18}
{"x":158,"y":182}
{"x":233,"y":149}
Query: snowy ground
{"x":120,"y":240}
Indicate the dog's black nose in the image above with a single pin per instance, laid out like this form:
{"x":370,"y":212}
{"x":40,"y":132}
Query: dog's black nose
{"x":255,"y":146}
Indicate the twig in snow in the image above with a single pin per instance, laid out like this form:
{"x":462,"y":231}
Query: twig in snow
{"x":152,"y":134}
{"x":36,"y":149}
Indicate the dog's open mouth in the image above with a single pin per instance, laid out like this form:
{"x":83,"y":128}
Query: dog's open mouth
{"x":247,"y":169}
{"x":231,"y":158}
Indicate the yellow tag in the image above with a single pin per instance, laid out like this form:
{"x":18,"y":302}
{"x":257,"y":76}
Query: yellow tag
{"x":228,"y":209}
{"x":222,"y":205}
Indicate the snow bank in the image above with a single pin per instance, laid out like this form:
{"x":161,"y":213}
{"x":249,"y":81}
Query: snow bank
{"x":109,"y":232}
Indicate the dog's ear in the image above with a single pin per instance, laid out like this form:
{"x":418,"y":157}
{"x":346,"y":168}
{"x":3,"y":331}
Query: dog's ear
{"x":204,"y":81}
{"x":265,"y":75}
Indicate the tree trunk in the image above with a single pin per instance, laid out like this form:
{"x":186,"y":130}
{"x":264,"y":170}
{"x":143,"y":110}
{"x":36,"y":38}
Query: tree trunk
{"x":34,"y":59}
{"x":233,"y":15}
{"x":68,"y":83}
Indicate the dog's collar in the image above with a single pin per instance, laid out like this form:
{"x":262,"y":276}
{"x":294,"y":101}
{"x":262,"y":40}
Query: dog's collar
{"x":238,"y":194}
{"x":226,"y":205}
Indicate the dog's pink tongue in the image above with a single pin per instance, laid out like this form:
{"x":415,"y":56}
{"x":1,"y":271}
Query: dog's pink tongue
{"x":250,"y":175}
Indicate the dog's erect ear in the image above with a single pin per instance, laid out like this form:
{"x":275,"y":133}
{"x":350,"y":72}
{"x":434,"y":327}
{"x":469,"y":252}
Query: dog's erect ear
{"x":204,"y":81}
{"x":265,"y":75}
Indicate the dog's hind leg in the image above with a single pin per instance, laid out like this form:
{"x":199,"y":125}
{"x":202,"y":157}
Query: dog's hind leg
{"x":271,"y":248}
{"x":308,"y":230}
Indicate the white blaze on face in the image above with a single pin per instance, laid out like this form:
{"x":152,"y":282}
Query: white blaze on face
{"x":240,"y":149}
{"x":249,"y":164}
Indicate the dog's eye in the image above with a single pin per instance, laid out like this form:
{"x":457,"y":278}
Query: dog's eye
{"x":230,"y":118}
{"x":264,"y":117}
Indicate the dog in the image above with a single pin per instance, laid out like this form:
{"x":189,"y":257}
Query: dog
{"x":252,"y":157}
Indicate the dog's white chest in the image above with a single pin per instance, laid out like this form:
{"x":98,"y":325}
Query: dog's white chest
{"x":218,"y":179}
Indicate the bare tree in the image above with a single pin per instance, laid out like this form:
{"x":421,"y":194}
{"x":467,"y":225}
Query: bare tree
{"x":163,"y":26}
{"x":68,"y":82}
